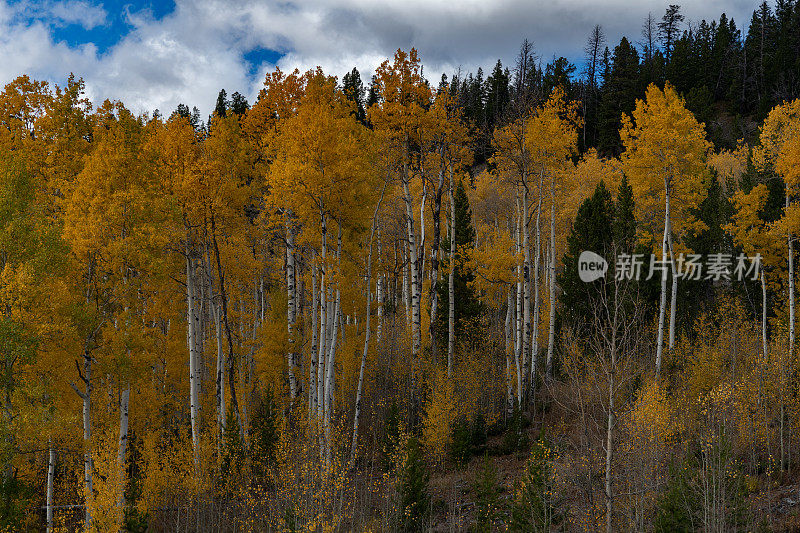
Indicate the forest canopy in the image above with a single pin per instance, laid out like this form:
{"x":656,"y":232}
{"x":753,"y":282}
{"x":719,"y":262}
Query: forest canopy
{"x":359,"y":306}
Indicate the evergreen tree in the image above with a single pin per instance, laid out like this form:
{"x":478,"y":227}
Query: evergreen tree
{"x":701,"y":295}
{"x":624,"y":225}
{"x":497,"y":95}
{"x":264,"y":440}
{"x":232,"y":447}
{"x":192,"y":116}
{"x":621,"y":87}
{"x":487,"y":496}
{"x":668,"y":28}
{"x":373,"y":94}
{"x":413,"y":489}
{"x":221,"y":107}
{"x":536,"y":507}
{"x":467,"y":306}
{"x":353,"y":88}
{"x":559,"y":73}
{"x":239,"y":104}
{"x":593,"y":230}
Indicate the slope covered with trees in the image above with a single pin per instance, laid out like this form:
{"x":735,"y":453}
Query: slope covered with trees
{"x":351,"y":308}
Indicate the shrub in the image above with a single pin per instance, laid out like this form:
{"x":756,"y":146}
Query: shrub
{"x":413,"y":488}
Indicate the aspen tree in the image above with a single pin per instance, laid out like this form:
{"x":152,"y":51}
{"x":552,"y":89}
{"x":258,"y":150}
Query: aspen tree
{"x":513,"y":165}
{"x":780,"y":149}
{"x":114,"y":194}
{"x":552,"y":139}
{"x":373,"y":227}
{"x":320,"y":174}
{"x":665,"y":152}
{"x":402,"y":121}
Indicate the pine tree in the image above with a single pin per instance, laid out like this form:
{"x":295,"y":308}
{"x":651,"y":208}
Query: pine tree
{"x":536,"y":507}
{"x":353,"y":88}
{"x":221,"y":107}
{"x":413,"y":489}
{"x":497,"y":95}
{"x":593,"y":231}
{"x":264,"y":440}
{"x":467,"y":306}
{"x":624,"y":218}
{"x":621,"y":87}
{"x":239,"y":104}
{"x":668,"y":28}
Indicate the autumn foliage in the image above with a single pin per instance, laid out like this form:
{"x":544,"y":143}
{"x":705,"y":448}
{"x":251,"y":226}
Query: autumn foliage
{"x":301,"y":317}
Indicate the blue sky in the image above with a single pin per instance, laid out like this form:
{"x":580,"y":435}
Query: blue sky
{"x":155,"y":54}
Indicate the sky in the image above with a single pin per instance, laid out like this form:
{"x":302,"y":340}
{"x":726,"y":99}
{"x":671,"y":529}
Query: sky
{"x":154,"y":54}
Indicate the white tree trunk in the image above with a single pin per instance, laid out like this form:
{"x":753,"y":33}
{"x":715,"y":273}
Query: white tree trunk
{"x":451,"y":293}
{"x":329,"y":380}
{"x":413,"y":257}
{"x":674,"y":295}
{"x":194,"y":371}
{"x":291,"y":310}
{"x":663,"y":301}
{"x":518,"y":337}
{"x":51,"y":474}
{"x":790,"y":245}
{"x":764,"y":313}
{"x":314,"y":362}
{"x":122,"y":449}
{"x":357,"y":412}
{"x":220,"y":371}
{"x":330,"y":365}
{"x":526,"y":294}
{"x":551,"y":337}
{"x":536,"y":296}
{"x":406,"y":293}
{"x":509,"y":350}
{"x":790,"y":242}
{"x":611,"y":414}
{"x":323,"y":322}
{"x":88,"y":464}
{"x":379,"y":290}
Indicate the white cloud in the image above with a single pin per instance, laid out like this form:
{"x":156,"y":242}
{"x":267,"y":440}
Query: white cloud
{"x":190,"y":54}
{"x":59,"y":12}
{"x":78,"y":12}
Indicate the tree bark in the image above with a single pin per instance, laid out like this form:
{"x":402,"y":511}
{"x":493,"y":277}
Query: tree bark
{"x":674,"y":295}
{"x":291,"y":311}
{"x":518,"y":337}
{"x":357,"y":412}
{"x":611,"y":415}
{"x":231,"y":353}
{"x":663,"y":301}
{"x":509,"y":351}
{"x":191,"y":319}
{"x":764,"y":314}
{"x":451,"y":293}
{"x":436,"y":207}
{"x":314,"y":361}
{"x":379,"y":290}
{"x":536,"y":297}
{"x":323,"y":319}
{"x":220,"y":372}
{"x":551,"y":337}
{"x":51,"y":474}
{"x":331,"y":363}
{"x":88,"y":463}
{"x":123,"y":441}
{"x":526,"y":294}
{"x":413,"y":258}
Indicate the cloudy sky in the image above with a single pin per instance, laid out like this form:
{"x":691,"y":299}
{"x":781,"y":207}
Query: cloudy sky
{"x":156,"y":54}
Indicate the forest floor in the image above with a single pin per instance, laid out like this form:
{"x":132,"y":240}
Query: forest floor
{"x":454,"y":492}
